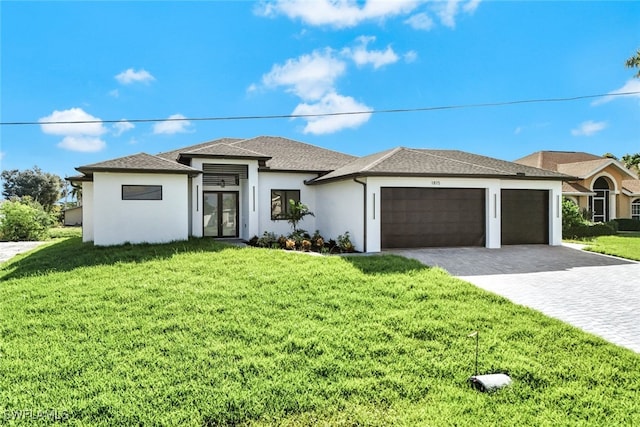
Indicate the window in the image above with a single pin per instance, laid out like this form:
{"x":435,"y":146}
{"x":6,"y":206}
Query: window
{"x":280,"y":202}
{"x":635,"y":209}
{"x":142,"y":192}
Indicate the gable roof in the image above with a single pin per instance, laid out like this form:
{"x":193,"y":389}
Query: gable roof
{"x":589,"y":168}
{"x":141,"y":163}
{"x":403,"y":161}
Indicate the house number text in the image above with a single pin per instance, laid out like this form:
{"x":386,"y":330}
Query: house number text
{"x":435,"y":182}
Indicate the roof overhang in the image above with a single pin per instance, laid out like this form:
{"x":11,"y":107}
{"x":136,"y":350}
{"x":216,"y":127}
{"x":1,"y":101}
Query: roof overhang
{"x":519,"y":176}
{"x":221,"y":156}
{"x":603,"y":166}
{"x":91,"y":171}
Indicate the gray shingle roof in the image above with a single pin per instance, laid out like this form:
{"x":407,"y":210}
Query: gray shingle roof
{"x":289,"y":155}
{"x":422,"y":162}
{"x":141,"y":162}
{"x":174,"y":154}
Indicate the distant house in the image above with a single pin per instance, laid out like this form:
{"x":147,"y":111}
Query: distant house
{"x":239,"y":188}
{"x":73,"y":216}
{"x":603,"y":185}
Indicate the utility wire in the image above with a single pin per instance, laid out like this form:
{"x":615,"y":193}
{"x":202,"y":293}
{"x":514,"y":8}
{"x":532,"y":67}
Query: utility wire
{"x":344,"y":113}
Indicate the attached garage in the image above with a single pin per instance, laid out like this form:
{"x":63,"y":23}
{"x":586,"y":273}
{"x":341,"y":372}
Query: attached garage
{"x":423,"y":217}
{"x":525,"y":217}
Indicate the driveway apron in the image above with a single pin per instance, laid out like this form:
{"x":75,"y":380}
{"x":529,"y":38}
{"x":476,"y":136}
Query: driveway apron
{"x":597,"y":293}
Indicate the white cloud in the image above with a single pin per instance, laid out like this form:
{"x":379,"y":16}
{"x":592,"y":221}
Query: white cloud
{"x":131,"y":76}
{"x":632,"y":85}
{"x":448,"y":10}
{"x":471,"y":6}
{"x":95,"y":126}
{"x":588,"y":128}
{"x":378,"y":58}
{"x":115,"y":93}
{"x":122,"y":126}
{"x":177,"y":123}
{"x":333,"y":103}
{"x":337,"y":13}
{"x":2,"y":154}
{"x":309,"y":76}
{"x":86,"y":144}
{"x":410,"y":56}
{"x":420,"y":21}
{"x":77,"y":136}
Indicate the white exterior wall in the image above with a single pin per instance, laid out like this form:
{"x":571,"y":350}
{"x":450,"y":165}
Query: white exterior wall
{"x":284,"y":181}
{"x":339,"y":208}
{"x":118,"y":221}
{"x":87,"y":212}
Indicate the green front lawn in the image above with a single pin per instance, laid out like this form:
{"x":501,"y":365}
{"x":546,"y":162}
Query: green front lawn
{"x":198,"y":333}
{"x":625,"y":245}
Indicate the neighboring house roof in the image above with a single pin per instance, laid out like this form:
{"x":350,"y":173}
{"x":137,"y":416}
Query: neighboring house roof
{"x":141,"y":162}
{"x":575,"y":189}
{"x":631,"y":187}
{"x":551,"y":159}
{"x":403,"y":161}
{"x":589,"y":168}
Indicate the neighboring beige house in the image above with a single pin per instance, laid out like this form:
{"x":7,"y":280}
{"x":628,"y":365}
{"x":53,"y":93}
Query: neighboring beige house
{"x":603,"y":186}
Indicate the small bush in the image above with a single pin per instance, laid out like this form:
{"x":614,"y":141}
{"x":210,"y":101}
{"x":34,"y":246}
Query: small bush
{"x":344,"y":243}
{"x":572,"y":216}
{"x":23,"y":219}
{"x":627,"y":224}
{"x":589,"y":230}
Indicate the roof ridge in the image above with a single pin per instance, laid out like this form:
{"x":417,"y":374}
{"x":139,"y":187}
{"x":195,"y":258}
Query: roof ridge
{"x":427,"y":152}
{"x":376,"y":162}
{"x":232,"y":145}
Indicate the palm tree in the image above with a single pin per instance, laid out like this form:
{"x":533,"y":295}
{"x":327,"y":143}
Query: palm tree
{"x":634,"y":62}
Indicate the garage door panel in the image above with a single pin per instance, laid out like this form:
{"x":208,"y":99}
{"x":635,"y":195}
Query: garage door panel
{"x":423,"y":217}
{"x":525,"y":217}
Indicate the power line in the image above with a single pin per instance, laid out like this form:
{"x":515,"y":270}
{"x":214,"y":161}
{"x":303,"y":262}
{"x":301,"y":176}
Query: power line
{"x":343,"y":113}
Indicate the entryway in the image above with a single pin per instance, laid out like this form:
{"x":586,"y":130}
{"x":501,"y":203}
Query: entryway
{"x":220,"y":214}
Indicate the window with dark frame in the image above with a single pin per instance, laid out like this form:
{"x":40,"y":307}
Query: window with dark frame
{"x":142,"y":192}
{"x":635,"y":209}
{"x":280,"y":202}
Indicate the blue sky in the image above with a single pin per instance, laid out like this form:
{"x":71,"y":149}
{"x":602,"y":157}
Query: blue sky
{"x":67,"y":61}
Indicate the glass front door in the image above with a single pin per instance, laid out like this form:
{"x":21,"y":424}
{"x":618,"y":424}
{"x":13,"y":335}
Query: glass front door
{"x":220,"y":214}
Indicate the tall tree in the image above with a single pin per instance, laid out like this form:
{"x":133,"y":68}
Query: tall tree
{"x":631,"y":161}
{"x":45,"y":188}
{"x":634,"y":62}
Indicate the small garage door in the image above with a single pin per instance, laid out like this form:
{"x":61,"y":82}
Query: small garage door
{"x":423,"y":217}
{"x":525,"y":217}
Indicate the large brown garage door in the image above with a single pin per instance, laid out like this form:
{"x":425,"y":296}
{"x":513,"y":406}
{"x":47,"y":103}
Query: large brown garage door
{"x":525,"y":217}
{"x":421,"y":217}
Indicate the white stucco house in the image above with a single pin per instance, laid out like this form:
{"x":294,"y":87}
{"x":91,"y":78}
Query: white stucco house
{"x":239,"y":188}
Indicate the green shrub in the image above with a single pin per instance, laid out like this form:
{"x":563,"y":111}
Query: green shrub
{"x":627,"y":224}
{"x":23,"y":220}
{"x":572,"y":216}
{"x":589,"y":230}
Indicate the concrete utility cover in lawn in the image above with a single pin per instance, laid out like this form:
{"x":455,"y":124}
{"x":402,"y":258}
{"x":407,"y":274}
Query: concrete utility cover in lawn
{"x":597,"y":293}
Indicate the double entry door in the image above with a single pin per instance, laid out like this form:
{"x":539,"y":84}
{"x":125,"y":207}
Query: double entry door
{"x":220,"y":213}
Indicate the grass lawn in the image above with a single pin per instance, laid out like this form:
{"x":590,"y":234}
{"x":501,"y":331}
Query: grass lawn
{"x":625,"y":245}
{"x":198,"y":333}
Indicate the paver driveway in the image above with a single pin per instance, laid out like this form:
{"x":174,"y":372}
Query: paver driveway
{"x":597,"y":293}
